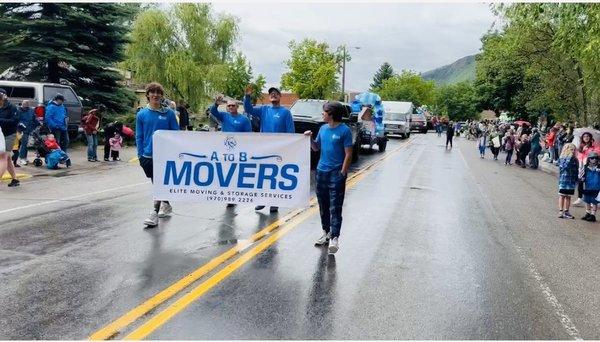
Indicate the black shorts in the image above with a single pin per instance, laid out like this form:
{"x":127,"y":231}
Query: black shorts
{"x":147,"y":166}
{"x":566,"y":192}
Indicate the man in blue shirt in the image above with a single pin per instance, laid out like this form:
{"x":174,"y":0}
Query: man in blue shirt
{"x":273,"y":118}
{"x":56,"y":118}
{"x":231,"y":121}
{"x":28,"y":123}
{"x":335,"y":142}
{"x":148,"y":120}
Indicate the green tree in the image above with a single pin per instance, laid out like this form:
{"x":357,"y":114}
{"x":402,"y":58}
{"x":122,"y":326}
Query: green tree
{"x":239,"y":75}
{"x":408,"y":86}
{"x":384,"y":72}
{"x":77,"y":44}
{"x":312,"y":70}
{"x":185,"y":48}
{"x":456,"y":101}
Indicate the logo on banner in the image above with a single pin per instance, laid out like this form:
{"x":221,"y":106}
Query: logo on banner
{"x":232,"y":169}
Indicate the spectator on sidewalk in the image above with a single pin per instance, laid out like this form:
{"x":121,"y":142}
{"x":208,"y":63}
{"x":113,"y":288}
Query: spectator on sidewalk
{"x":494,"y":142}
{"x":109,"y":132}
{"x":482,"y":142}
{"x":116,"y":144}
{"x":56,"y":118}
{"x":9,"y":121}
{"x":591,"y":186}
{"x":184,"y":116}
{"x":568,"y":167}
{"x":152,"y":118}
{"x":273,"y":119}
{"x":509,"y":146}
{"x":536,"y":148}
{"x":586,"y":145}
{"x":524,"y":149}
{"x":55,"y":155}
{"x":91,"y":124}
{"x":334,"y":140}
{"x":550,"y":143}
{"x":28,"y":122}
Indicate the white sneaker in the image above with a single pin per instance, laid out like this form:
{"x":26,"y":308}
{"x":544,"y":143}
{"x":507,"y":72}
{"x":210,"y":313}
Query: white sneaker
{"x":323,"y":239}
{"x":165,"y":210}
{"x":152,"y":220}
{"x":578,"y":203}
{"x":22,"y":162}
{"x":333,"y":245}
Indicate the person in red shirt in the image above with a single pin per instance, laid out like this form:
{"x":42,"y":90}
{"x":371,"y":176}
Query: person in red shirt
{"x":91,"y":124}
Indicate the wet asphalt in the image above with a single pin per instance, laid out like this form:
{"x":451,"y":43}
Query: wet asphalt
{"x":435,"y":244}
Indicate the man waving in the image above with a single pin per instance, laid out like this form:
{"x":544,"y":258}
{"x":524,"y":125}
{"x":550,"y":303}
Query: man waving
{"x":273,"y":118}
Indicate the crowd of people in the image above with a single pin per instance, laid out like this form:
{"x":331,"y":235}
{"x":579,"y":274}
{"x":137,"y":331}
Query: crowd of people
{"x":577,"y":158}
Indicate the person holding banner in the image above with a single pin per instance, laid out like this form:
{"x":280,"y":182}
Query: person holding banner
{"x":148,"y":120}
{"x":335,"y":142}
{"x":231,"y":121}
{"x":273,"y":119}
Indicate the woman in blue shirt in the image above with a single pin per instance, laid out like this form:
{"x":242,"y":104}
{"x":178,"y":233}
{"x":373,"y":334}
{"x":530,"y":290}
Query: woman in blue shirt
{"x":334,"y":140}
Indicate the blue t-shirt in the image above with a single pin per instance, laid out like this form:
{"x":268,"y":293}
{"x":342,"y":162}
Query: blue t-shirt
{"x":147,"y":122}
{"x":272,"y":119}
{"x":332,"y":142}
{"x":231,"y":123}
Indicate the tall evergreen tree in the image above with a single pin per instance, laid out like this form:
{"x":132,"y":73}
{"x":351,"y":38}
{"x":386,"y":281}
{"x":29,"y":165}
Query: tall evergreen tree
{"x":76,"y":43}
{"x":385,"y":71}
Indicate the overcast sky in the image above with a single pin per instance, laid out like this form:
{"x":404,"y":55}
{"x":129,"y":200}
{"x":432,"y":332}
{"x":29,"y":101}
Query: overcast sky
{"x":419,"y":37}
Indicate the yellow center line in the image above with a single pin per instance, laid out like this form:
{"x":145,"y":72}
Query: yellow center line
{"x":114,"y":327}
{"x":183,"y":302}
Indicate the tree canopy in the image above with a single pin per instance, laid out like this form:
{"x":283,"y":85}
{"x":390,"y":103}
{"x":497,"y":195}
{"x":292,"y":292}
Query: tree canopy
{"x":384,"y":72}
{"x":78,"y":44}
{"x":186,"y":49}
{"x":408,"y":86}
{"x":239,"y":75}
{"x":312,"y":70}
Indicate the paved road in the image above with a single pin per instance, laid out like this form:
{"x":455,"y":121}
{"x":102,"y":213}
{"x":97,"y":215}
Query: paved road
{"x":435,"y":244}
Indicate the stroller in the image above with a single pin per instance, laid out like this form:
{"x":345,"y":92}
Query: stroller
{"x":41,"y":151}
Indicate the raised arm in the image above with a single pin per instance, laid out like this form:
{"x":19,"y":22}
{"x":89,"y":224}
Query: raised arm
{"x":248,"y":108}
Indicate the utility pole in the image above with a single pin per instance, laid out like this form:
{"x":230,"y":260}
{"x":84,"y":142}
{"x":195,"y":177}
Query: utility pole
{"x":344,"y":70}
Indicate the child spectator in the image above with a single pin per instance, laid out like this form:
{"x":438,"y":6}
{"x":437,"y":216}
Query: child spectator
{"x":56,"y":155}
{"x":116,"y":143}
{"x":590,"y":176}
{"x":568,"y":166}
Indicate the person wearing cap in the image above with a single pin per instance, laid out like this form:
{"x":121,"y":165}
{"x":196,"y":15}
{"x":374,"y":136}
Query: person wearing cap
{"x":590,"y":176}
{"x":91,"y":124}
{"x":334,"y":140}
{"x":56,"y":119}
{"x":273,"y":119}
{"x":9,"y":120}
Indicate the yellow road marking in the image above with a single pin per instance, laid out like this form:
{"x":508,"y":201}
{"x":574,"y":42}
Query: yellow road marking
{"x":183,"y":302}
{"x":6,"y":176}
{"x":134,"y":160}
{"x":114,"y":327}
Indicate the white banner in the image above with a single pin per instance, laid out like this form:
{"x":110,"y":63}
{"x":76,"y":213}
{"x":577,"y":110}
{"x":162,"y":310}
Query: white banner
{"x":243,"y":168}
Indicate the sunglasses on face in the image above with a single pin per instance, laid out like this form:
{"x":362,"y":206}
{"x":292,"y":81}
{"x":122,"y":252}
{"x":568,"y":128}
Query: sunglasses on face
{"x":230,"y":105}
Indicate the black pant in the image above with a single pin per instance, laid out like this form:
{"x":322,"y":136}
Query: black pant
{"x":114,"y":154}
{"x":448,"y":141}
{"x":579,"y":189}
{"x":147,"y":166}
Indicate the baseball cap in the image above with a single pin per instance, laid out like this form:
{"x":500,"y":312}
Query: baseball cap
{"x":274,"y":89}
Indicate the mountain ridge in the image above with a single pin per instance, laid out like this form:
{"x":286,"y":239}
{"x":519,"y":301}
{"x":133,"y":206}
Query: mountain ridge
{"x":463,"y":69}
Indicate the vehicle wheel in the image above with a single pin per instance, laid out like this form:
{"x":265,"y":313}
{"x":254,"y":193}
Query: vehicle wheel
{"x":382,"y":144}
{"x":402,"y":136}
{"x":424,"y":131}
{"x":37,"y":162}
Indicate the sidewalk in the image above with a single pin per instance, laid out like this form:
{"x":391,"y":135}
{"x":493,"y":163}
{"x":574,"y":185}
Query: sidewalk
{"x":79,"y":163}
{"x":549,"y":168}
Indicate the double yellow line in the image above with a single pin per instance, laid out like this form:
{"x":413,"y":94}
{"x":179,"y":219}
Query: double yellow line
{"x":288,"y":222}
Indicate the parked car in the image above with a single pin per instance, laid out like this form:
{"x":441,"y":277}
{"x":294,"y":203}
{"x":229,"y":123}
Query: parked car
{"x":418,"y":123}
{"x":397,"y":118}
{"x":41,"y":93}
{"x":307,"y":115}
